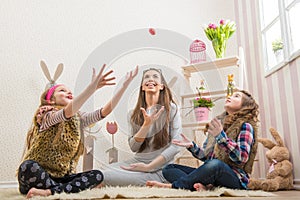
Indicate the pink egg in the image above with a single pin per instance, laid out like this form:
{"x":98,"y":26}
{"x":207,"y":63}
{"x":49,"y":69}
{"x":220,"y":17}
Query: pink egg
{"x":152,"y":31}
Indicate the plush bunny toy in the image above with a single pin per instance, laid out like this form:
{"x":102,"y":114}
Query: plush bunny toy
{"x":279,"y":176}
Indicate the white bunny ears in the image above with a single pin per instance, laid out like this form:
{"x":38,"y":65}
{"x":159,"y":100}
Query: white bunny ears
{"x":52,"y":81}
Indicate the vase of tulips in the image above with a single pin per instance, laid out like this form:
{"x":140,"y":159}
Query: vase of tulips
{"x":219,"y":34}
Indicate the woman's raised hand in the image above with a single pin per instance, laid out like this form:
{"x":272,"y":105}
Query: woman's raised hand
{"x":149,"y":118}
{"x":100,"y":80}
{"x":185,"y":142}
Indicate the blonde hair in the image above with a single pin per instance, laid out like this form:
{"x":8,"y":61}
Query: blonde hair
{"x":34,"y":125}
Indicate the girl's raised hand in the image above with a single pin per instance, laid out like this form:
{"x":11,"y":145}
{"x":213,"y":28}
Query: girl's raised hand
{"x":130,"y":76}
{"x":100,"y":80}
{"x":185,"y":142}
{"x":215,"y":127}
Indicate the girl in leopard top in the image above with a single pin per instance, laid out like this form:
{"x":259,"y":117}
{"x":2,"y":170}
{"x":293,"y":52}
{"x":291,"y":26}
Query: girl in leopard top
{"x":228,"y":152}
{"x":55,"y":141}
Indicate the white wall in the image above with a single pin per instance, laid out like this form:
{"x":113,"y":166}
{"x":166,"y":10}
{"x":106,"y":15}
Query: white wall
{"x":68,"y":31}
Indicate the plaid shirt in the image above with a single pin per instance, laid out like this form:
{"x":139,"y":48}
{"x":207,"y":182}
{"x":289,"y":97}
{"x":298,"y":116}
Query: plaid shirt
{"x":238,"y":151}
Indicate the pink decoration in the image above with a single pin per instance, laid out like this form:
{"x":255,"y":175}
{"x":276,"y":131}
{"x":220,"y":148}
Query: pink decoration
{"x":197,"y":51}
{"x":50,"y":92}
{"x":152,"y":31}
{"x":212,"y":26}
{"x":201,"y":113}
{"x":111,"y":127}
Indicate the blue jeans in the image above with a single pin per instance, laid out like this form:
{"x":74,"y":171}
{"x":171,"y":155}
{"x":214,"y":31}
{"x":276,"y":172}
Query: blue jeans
{"x":213,"y":172}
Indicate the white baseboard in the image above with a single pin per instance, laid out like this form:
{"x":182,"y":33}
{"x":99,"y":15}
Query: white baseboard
{"x":9,"y":184}
{"x":297,"y":184}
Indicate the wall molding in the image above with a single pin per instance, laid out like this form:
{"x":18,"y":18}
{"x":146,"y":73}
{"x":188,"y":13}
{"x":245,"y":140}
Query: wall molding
{"x":297,"y":184}
{"x":9,"y":184}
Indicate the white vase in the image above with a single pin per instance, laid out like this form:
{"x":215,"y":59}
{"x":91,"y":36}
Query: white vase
{"x":279,"y":55}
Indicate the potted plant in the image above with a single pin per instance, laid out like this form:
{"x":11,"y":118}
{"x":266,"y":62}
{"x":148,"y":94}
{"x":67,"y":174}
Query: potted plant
{"x":202,"y":104}
{"x":277,"y":47}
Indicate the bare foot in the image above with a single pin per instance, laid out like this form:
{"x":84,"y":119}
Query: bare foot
{"x":38,"y":192}
{"x":209,"y":187}
{"x":101,"y":185}
{"x":158,"y":184}
{"x":199,"y":187}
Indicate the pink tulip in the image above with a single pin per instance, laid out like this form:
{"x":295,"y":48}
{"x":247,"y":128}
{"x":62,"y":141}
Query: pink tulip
{"x":222,"y":22}
{"x":212,"y":26}
{"x":111,"y":127}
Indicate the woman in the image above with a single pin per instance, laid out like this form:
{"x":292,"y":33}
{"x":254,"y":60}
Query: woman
{"x":155,"y":121}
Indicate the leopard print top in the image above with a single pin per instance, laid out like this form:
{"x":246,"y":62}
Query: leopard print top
{"x":58,"y":148}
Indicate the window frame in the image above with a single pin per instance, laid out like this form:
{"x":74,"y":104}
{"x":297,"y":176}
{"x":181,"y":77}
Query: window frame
{"x":284,"y":22}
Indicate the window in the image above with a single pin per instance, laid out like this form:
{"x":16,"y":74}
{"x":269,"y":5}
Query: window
{"x":280,"y":31}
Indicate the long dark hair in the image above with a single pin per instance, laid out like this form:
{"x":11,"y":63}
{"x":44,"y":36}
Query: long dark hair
{"x":162,"y":138}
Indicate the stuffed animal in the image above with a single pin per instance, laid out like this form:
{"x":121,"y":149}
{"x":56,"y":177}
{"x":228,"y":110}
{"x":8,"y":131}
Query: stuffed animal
{"x":279,"y":176}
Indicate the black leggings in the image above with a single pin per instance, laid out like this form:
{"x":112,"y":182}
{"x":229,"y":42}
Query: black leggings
{"x":31,"y":174}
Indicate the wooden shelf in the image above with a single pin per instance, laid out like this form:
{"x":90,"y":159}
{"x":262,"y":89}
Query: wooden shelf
{"x":210,"y":65}
{"x":212,"y":93}
{"x":190,"y":124}
{"x":233,"y":61}
{"x":198,"y":125}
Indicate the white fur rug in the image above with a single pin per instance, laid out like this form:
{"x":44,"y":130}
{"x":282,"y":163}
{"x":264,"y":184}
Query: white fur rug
{"x":132,"y":192}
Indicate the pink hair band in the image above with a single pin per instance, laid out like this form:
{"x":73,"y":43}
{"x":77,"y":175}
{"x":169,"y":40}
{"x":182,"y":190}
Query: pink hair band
{"x":51,"y":91}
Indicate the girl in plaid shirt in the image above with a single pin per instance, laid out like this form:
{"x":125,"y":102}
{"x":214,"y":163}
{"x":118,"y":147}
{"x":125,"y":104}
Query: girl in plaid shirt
{"x":228,"y":152}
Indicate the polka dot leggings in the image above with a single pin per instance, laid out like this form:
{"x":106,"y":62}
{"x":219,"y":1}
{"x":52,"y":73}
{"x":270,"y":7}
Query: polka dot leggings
{"x":31,"y":174}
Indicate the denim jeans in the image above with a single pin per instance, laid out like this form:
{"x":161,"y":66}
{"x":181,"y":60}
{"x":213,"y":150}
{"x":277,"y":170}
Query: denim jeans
{"x":213,"y":172}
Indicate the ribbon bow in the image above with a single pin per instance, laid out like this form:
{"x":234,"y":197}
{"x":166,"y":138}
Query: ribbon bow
{"x":272,"y":167}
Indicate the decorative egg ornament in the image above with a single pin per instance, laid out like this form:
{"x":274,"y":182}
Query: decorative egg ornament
{"x":152,"y":31}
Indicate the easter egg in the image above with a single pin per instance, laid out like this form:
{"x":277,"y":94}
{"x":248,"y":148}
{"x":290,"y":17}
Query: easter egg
{"x":152,"y":31}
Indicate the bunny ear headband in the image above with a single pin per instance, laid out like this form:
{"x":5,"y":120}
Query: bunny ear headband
{"x":51,"y":86}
